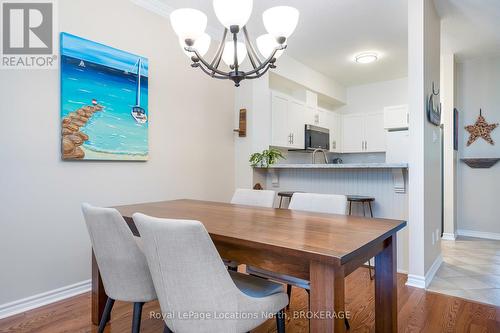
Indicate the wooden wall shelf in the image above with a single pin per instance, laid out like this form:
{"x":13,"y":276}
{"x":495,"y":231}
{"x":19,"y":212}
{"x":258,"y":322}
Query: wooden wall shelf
{"x":480,"y":163}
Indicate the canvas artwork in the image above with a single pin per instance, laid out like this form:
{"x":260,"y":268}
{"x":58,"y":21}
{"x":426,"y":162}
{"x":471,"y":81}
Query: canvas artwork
{"x":104,"y":102}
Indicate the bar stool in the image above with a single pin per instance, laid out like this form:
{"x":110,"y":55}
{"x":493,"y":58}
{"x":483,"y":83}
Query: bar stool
{"x":286,"y":194}
{"x":362,"y":199}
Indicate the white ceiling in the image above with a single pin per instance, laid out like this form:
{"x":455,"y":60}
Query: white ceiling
{"x":331,"y":32}
{"x":471,"y":28}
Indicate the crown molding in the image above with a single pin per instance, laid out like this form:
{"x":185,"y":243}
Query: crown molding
{"x":161,"y":8}
{"x":155,"y":6}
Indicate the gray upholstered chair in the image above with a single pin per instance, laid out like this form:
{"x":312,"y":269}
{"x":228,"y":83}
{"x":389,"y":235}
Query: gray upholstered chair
{"x":123,"y":267}
{"x":258,"y":198}
{"x":248,"y":197}
{"x":311,"y":202}
{"x":319,"y":203}
{"x":190,"y":278}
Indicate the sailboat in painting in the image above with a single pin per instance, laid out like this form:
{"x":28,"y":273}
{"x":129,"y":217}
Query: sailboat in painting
{"x":137,"y":111}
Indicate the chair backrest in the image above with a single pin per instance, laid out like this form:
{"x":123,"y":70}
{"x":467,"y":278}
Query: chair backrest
{"x":188,"y":274}
{"x":123,"y":267}
{"x":261,"y":198}
{"x":320,"y":203}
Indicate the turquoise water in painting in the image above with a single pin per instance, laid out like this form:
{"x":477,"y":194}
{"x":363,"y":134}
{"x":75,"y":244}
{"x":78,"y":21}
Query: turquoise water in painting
{"x":112,"y":130}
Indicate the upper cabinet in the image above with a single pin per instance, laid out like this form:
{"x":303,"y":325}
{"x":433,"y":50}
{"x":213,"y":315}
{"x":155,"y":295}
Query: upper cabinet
{"x":375,"y":134}
{"x":332,"y":121}
{"x":396,"y":117}
{"x":363,"y":133}
{"x":288,"y":119}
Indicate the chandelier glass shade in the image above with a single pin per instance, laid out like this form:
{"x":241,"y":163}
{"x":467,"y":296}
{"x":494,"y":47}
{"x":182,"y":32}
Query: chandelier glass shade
{"x":235,"y":45}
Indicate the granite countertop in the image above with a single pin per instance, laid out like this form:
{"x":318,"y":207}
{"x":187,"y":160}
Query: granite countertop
{"x":341,"y":166}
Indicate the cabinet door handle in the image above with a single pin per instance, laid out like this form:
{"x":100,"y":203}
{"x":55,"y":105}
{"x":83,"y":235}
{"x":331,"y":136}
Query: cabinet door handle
{"x":334,"y":144}
{"x":366,"y":145}
{"x":292,"y":139}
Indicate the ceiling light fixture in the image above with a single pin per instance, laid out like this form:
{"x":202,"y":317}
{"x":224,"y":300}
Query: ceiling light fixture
{"x":366,"y":58}
{"x":190,"y":24}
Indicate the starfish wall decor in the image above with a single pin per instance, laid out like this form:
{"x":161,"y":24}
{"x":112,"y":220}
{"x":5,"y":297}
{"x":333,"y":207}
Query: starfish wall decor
{"x":481,"y":129}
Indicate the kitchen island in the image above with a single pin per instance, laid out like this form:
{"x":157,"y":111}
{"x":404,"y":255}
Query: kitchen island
{"x":339,"y":166}
{"x":386,"y":182}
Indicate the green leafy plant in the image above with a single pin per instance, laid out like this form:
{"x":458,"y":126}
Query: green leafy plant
{"x":266,"y":158}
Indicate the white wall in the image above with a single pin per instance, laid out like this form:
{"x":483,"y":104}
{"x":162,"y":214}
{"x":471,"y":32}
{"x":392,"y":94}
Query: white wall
{"x":374,"y":97}
{"x":449,"y":154}
{"x":43,"y":241}
{"x":296,"y":71}
{"x":425,"y":158}
{"x":478,"y":86}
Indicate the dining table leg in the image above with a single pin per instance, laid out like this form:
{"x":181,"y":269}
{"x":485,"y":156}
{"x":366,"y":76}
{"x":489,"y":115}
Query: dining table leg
{"x":98,"y":295}
{"x":386,"y":304}
{"x":327,"y":303}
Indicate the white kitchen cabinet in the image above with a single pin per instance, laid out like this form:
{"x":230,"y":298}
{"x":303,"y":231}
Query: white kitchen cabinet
{"x":288,"y":120}
{"x":396,"y":117}
{"x":363,"y":133}
{"x":296,"y":123}
{"x":353,"y":136}
{"x":311,"y":116}
{"x":332,"y":121}
{"x":375,"y":134}
{"x":335,"y":126}
{"x":280,"y":133}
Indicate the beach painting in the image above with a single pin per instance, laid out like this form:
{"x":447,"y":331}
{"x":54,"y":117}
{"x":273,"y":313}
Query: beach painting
{"x":104,"y":102}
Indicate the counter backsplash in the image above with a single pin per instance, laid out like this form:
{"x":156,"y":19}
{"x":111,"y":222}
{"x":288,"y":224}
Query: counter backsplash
{"x":295,"y":157}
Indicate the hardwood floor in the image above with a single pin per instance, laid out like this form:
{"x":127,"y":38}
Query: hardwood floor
{"x":419,"y":311}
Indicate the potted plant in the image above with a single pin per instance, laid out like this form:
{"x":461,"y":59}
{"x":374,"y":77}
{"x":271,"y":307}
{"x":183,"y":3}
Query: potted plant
{"x":266,"y":158}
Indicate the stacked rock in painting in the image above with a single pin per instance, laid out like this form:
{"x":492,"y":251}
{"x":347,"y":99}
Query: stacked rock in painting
{"x":72,"y":137}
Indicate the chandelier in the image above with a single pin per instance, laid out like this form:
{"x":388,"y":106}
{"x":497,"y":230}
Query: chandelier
{"x":190,"y":24}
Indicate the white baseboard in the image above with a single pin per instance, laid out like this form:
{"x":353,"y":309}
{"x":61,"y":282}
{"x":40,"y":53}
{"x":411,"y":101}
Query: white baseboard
{"x":449,"y":236}
{"x":478,"y":234}
{"x":36,"y":301}
{"x":423,"y":282}
{"x":416,"y":281}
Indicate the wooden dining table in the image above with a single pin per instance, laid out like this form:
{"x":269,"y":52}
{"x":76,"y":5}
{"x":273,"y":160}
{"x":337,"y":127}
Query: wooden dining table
{"x":320,"y":248}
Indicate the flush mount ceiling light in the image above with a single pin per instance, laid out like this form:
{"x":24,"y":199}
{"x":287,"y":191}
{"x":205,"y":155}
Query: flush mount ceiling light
{"x":366,"y":58}
{"x":190,"y":24}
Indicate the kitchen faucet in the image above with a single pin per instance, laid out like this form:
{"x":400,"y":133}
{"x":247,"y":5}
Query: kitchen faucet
{"x":314,"y":155}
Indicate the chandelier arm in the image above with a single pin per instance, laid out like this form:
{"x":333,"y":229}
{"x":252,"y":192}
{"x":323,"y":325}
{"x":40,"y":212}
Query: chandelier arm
{"x":207,"y":70}
{"x":250,"y":45}
{"x":251,"y":59}
{"x":249,"y":52}
{"x":266,"y":62}
{"x":235,"y":41}
{"x":256,"y":76}
{"x":220,"y":77}
{"x":207,"y":65}
{"x":220,"y":49}
{"x":217,"y":63}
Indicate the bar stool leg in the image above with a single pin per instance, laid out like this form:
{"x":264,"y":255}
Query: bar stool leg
{"x":363,"y":204}
{"x":350,"y":207}
{"x":371,"y":211}
{"x":281,"y":200}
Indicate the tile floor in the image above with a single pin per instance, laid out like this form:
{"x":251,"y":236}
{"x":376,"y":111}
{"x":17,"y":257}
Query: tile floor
{"x":470,"y":269}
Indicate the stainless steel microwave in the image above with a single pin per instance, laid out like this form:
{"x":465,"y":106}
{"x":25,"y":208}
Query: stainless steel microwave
{"x":317,"y":137}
